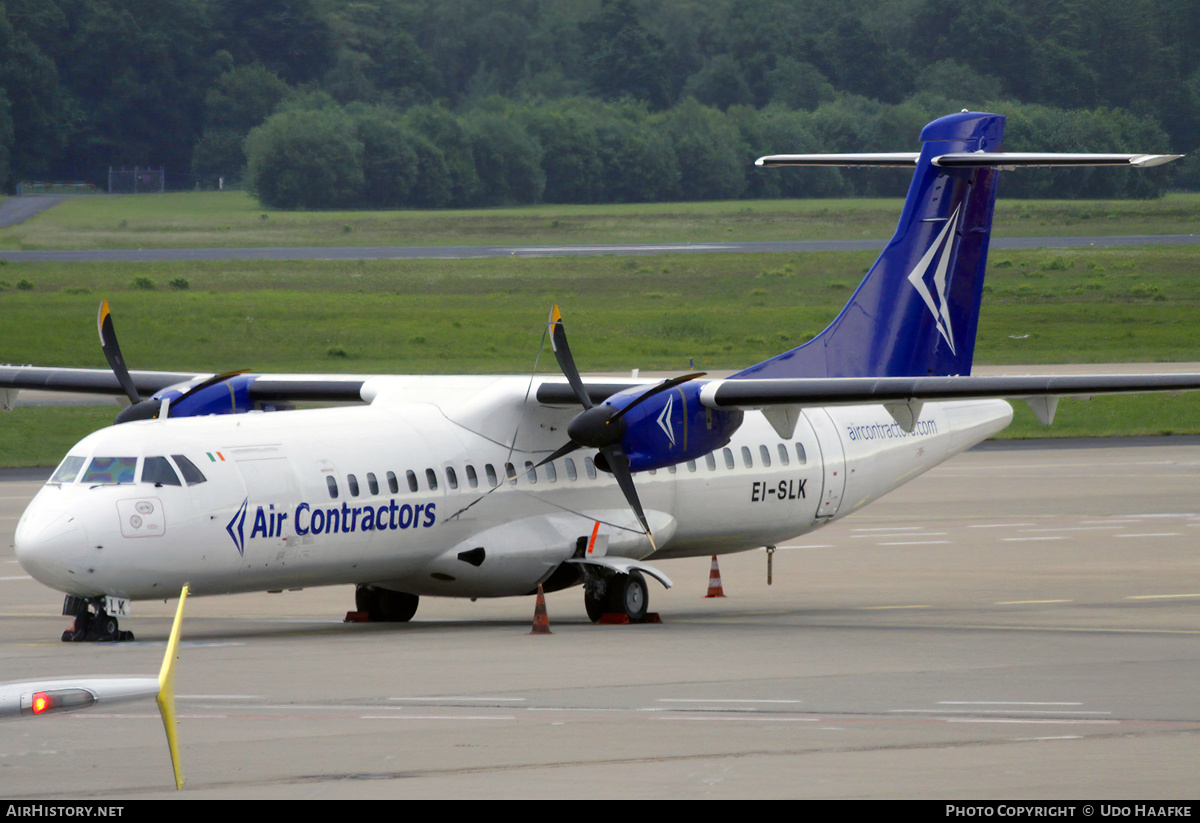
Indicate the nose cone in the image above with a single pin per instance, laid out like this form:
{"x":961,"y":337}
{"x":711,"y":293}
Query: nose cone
{"x":50,"y":547}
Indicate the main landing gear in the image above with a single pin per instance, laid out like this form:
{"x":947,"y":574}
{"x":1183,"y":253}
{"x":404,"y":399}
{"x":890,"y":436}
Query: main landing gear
{"x":385,"y":605}
{"x":92,"y":626}
{"x":616,"y":594}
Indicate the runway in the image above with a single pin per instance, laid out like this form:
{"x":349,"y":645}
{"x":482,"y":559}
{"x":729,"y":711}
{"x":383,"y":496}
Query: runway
{"x":484,"y":251}
{"x":1021,"y":622}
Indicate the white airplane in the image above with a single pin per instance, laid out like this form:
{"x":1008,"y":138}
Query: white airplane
{"x":473,"y":486}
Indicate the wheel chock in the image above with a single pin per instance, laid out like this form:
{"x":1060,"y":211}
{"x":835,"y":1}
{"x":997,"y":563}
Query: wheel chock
{"x":617,"y":619}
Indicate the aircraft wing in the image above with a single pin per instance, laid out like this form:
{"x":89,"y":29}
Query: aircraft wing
{"x":262,"y":388}
{"x":561,"y":393}
{"x":721,"y":394}
{"x":87,"y":381}
{"x":903,"y":396}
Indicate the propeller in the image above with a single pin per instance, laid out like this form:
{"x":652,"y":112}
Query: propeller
{"x":140,"y":409}
{"x":112,"y":352}
{"x":602,"y":427}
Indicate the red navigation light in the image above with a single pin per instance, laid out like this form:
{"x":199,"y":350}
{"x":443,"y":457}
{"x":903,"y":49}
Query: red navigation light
{"x":58,"y":700}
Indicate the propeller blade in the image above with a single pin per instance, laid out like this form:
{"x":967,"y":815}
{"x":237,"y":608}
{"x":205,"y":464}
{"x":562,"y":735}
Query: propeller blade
{"x":566,"y":363}
{"x":112,"y":352}
{"x":565,"y":450}
{"x":618,"y":463}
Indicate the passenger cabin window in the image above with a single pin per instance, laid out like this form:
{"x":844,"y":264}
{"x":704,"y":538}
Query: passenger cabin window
{"x":352,"y":482}
{"x":571,"y":473}
{"x":710,"y":460}
{"x":765,"y":454}
{"x":68,"y":470}
{"x":800,"y":458}
{"x":783,"y":455}
{"x":431,"y":479}
{"x":728,"y":455}
{"x":472,"y":478}
{"x":412,"y":480}
{"x":158,"y":471}
{"x":691,"y":464}
{"x":747,"y":460}
{"x":490,"y":471}
{"x":451,"y":478}
{"x":372,"y":483}
{"x":530,"y":472}
{"x":393,"y":483}
{"x":551,"y":473}
{"x":191,"y":474}
{"x":115,"y":470}
{"x":510,"y":473}
{"x":331,"y":484}
{"x":590,"y":466}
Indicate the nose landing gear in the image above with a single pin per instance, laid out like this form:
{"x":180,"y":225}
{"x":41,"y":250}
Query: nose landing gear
{"x":92,"y":626}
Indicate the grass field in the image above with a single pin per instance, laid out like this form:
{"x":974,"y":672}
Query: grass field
{"x":236,"y":220}
{"x":664,"y":312}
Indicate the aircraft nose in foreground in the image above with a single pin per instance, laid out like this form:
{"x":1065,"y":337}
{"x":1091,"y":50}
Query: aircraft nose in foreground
{"x":50,"y":546}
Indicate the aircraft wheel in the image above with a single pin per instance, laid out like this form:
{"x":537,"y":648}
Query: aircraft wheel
{"x":384,"y":606}
{"x":595,"y":602}
{"x":79,"y":632}
{"x":105,"y":627}
{"x":366,"y":599}
{"x":397,"y":607}
{"x":630,"y":596}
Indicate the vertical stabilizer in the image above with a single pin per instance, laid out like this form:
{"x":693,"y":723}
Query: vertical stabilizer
{"x":917,"y":310}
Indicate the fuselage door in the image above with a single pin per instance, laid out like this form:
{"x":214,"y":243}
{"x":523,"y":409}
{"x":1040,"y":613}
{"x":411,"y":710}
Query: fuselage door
{"x":267,"y":533}
{"x":833,"y":460}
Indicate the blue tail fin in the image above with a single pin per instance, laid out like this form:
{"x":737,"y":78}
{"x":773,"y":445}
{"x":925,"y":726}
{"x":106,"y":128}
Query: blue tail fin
{"x":917,"y":310}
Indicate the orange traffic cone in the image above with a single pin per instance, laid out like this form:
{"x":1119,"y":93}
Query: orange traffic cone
{"x":541,"y":623}
{"x":714,"y":581}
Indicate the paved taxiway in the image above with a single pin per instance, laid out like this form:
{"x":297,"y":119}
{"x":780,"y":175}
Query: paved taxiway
{"x":472,"y":252}
{"x":1022,"y":622}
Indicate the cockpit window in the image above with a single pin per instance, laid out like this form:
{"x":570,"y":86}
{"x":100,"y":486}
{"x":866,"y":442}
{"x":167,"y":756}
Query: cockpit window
{"x":158,"y":471}
{"x":68,"y":470}
{"x":110,"y":470}
{"x":191,"y":474}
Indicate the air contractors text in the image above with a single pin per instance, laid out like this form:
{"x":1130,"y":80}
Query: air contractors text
{"x":344,"y":519}
{"x":890,"y":431}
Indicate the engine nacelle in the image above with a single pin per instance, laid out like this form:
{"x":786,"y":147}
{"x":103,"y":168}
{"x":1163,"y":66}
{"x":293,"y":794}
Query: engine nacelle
{"x":224,"y":395}
{"x":672,"y":427}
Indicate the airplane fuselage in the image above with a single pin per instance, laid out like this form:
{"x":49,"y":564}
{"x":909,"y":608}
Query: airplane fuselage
{"x":402,"y":495}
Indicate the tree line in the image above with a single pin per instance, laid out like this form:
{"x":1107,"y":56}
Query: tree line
{"x":331,"y":103}
{"x":316,"y":154}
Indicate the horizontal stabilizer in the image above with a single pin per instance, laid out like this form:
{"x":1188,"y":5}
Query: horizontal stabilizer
{"x":1019,"y":159}
{"x":895,"y":158}
{"x":994,"y":159}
